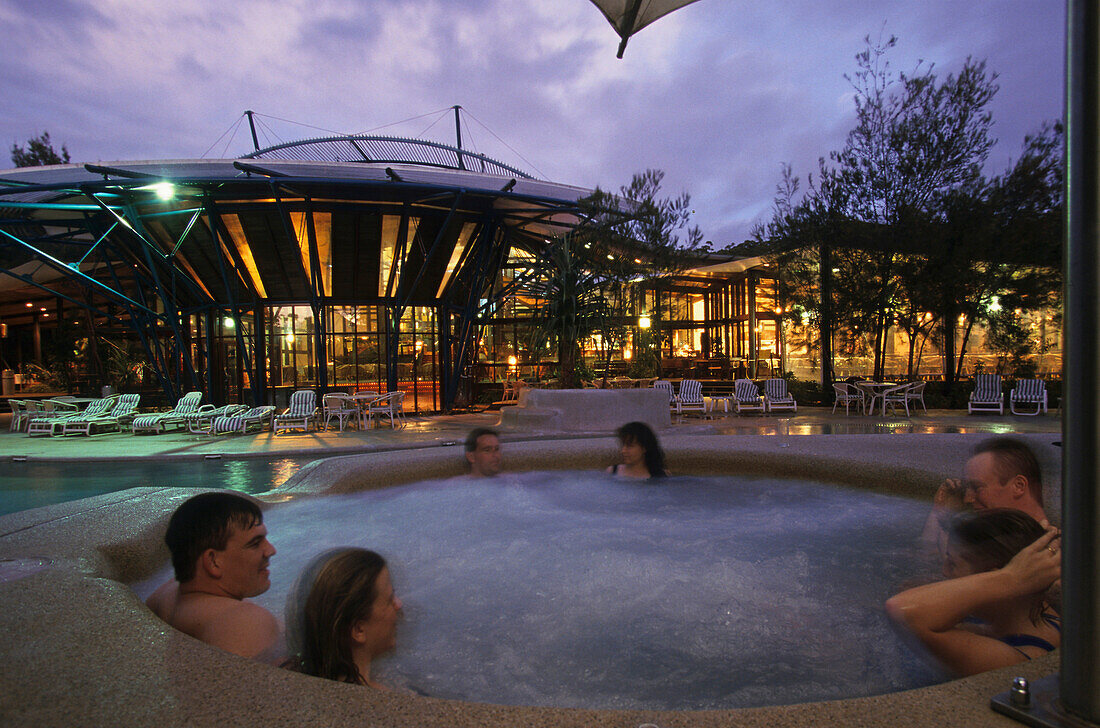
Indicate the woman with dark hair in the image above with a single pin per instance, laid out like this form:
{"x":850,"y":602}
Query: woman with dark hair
{"x":348,"y":617}
{"x":1000,"y":564}
{"x":640,"y":451}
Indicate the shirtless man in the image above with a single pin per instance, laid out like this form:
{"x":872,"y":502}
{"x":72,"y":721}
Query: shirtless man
{"x":1002,"y":472}
{"x":220,"y":554}
{"x":483,"y":453}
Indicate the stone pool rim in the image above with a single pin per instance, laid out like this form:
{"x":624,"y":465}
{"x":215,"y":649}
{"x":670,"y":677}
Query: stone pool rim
{"x":132,"y":669}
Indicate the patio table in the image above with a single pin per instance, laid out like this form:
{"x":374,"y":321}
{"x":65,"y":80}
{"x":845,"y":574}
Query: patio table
{"x":363,"y":401}
{"x":870,"y":391}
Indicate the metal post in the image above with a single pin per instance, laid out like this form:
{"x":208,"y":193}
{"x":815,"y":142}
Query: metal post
{"x":1080,"y":682}
{"x":252,"y":126}
{"x":458,"y":136}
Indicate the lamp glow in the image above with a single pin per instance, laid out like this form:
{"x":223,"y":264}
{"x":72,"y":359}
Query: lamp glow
{"x":644,"y":322}
{"x":165,"y":190}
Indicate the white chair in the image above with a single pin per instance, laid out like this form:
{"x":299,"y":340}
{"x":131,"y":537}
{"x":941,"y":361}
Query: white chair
{"x":19,"y":414}
{"x":987,"y":395}
{"x":300,"y":414}
{"x":41,"y":423}
{"x":747,"y":397}
{"x":915,"y":394}
{"x":776,"y":396}
{"x":848,"y":394}
{"x":895,"y":396}
{"x":691,"y":397}
{"x":338,"y":405}
{"x":1032,"y":392}
{"x":388,"y":405}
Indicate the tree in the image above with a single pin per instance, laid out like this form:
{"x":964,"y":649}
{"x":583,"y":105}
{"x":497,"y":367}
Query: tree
{"x":38,"y":152}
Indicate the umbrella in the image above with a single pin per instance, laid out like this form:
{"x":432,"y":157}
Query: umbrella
{"x":627,"y":17}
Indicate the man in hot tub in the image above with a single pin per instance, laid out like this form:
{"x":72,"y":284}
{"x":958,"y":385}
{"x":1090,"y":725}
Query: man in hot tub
{"x":483,"y":453}
{"x":220,"y":555}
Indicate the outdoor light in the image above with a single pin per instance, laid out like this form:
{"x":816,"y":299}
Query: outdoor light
{"x":30,"y":305}
{"x":643,"y":322}
{"x":228,"y":322}
{"x":994,"y":304}
{"x":165,"y":190}
{"x":779,"y":309}
{"x":512,"y":361}
{"x":627,"y":353}
{"x":289,"y":337}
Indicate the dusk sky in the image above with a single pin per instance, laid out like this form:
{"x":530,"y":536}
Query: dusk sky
{"x":718,"y":94}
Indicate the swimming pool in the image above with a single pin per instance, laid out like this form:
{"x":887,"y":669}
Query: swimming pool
{"x":35,"y":483}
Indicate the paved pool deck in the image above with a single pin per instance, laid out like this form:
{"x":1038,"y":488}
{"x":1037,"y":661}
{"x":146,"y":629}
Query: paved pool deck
{"x":440,"y":430}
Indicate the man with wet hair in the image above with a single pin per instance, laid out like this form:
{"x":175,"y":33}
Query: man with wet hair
{"x":220,"y":555}
{"x":1002,"y":472}
{"x":483,"y":453}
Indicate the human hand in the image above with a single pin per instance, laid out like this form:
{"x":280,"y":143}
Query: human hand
{"x":1037,"y":565}
{"x":949,"y":499}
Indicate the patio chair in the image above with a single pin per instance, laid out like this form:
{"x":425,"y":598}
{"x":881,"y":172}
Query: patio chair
{"x":338,"y":405}
{"x":123,"y":411}
{"x":776,"y":396}
{"x":158,"y":422}
{"x":916,"y":394}
{"x":388,"y":405}
{"x":747,"y":397}
{"x":19,"y":415}
{"x":691,"y":398}
{"x":895,"y":396}
{"x":1030,"y":392}
{"x":848,"y":394}
{"x":987,"y":395}
{"x":201,"y":422}
{"x":43,"y":423}
{"x":666,"y":386}
{"x":301,"y":413}
{"x":241,"y":422}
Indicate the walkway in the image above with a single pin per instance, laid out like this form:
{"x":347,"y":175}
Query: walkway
{"x":436,"y":430}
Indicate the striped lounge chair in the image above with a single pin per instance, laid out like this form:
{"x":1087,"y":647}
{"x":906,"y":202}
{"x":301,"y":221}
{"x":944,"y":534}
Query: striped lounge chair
{"x":666,"y":386}
{"x":201,"y":422}
{"x":691,"y":398}
{"x":987,"y":395}
{"x":159,"y":422}
{"x":53,"y":423}
{"x":746,"y":396}
{"x":123,"y":412}
{"x":1030,"y":392}
{"x":776,"y":396}
{"x":301,"y":413}
{"x":242,"y":422}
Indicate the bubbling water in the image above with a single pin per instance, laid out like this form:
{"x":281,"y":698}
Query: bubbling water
{"x":580,"y":590}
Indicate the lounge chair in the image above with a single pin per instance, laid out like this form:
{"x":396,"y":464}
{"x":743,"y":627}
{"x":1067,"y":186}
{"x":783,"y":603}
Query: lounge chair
{"x":338,"y":405}
{"x":242,"y":422}
{"x":747,"y":397}
{"x":666,"y":386}
{"x":691,"y":398}
{"x":53,"y":423}
{"x":159,"y":422}
{"x":1032,"y":392}
{"x":202,"y":421}
{"x":848,"y":394}
{"x":301,"y":413}
{"x":123,"y":412}
{"x":776,"y":396}
{"x":987,"y":395}
{"x":391,"y":405}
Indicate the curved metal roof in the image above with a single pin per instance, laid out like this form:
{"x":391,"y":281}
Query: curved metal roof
{"x":362,"y":148}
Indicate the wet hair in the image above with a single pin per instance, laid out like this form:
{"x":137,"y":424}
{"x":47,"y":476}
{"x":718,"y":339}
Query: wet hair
{"x":203,"y":522}
{"x":1013,"y":457}
{"x":342,"y":588}
{"x":476,"y":434}
{"x":640,"y":433}
{"x":988,"y":539}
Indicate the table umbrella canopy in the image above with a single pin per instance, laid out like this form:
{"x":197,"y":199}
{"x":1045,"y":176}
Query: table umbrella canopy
{"x":627,"y":17}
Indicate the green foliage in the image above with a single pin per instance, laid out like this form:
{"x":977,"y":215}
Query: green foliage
{"x":124,"y":364}
{"x":38,"y":152}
